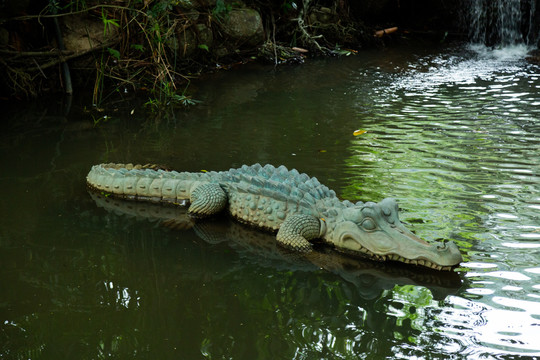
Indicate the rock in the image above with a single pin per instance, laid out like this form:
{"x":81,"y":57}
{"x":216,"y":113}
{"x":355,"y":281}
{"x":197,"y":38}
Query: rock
{"x":206,"y":37}
{"x":192,"y":39}
{"x":185,"y":42}
{"x":222,"y":51}
{"x":322,"y":15}
{"x":186,"y":4}
{"x":243,"y":26}
{"x":534,"y":57}
{"x":82,"y":33}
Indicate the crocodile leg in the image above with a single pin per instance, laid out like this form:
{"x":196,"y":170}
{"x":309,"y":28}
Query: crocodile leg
{"x":296,"y":230}
{"x":207,"y":199}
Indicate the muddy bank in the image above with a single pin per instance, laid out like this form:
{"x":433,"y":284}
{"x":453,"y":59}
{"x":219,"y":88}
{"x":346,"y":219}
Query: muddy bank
{"x":160,"y":45}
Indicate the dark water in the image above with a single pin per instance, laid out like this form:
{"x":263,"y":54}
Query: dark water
{"x":453,"y":134}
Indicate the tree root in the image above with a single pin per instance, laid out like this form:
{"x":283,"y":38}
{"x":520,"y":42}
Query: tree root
{"x":306,"y":38}
{"x":279,"y":54}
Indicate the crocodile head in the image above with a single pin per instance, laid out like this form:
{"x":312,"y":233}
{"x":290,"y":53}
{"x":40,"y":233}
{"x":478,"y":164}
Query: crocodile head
{"x":374,"y":230}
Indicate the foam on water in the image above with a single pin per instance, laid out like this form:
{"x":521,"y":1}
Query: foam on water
{"x":467,"y":67}
{"x":516,"y":52}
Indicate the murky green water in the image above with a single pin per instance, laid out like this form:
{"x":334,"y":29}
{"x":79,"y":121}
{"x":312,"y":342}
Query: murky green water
{"x":452,"y":134}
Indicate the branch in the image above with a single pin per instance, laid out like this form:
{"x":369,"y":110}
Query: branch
{"x":37,"y":53}
{"x":61,"y":58}
{"x":40,"y":16}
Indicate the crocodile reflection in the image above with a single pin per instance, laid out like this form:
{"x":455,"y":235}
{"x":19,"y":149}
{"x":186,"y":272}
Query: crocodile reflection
{"x":369,"y":277}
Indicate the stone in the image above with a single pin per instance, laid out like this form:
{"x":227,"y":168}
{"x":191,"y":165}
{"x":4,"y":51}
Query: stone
{"x":243,"y":26}
{"x":188,"y":41}
{"x":84,"y":33}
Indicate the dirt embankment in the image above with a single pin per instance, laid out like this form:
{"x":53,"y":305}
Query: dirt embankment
{"x":161,"y":44}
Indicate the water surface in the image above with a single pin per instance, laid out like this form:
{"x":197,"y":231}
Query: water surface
{"x":452,"y":134}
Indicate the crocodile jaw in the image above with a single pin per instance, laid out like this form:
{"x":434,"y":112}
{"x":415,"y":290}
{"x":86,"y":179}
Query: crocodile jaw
{"x":394,"y":243}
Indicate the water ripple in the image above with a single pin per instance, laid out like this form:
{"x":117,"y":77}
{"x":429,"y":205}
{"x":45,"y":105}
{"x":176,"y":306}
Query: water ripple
{"x":455,"y":138}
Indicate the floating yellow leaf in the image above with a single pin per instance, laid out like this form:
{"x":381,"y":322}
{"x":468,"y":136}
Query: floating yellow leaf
{"x":359,"y":132}
{"x":204,"y":170}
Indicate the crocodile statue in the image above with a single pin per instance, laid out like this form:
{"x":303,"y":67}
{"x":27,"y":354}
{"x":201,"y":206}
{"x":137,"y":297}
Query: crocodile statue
{"x":298,"y":207}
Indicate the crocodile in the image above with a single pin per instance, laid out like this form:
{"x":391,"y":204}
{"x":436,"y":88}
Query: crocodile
{"x":297,"y":207}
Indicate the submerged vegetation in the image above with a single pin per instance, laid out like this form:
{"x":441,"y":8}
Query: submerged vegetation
{"x":158,"y":46}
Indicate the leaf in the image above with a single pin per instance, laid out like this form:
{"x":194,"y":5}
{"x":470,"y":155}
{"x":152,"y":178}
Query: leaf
{"x":341,"y":52}
{"x":359,"y":132}
{"x":113,"y":22}
{"x":204,"y":171}
{"x":114,"y":53}
{"x":138,"y":47}
{"x":203,"y":47}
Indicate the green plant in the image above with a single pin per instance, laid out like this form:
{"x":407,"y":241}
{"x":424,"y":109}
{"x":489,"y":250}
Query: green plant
{"x":107,"y":22}
{"x":101,"y":65}
{"x":167,"y":97}
{"x":221,"y":10}
{"x":203,"y":47}
{"x":135,"y":49}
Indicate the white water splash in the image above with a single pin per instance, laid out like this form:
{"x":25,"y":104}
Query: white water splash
{"x":470,"y":66}
{"x":514,"y":52}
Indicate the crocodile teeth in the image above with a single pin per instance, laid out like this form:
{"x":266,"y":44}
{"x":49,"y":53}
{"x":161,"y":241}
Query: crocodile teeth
{"x":395,"y":257}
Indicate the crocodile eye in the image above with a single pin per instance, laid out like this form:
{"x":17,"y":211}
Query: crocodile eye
{"x":369,"y":225}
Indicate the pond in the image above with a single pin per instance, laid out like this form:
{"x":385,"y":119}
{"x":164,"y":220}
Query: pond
{"x":452,"y":133}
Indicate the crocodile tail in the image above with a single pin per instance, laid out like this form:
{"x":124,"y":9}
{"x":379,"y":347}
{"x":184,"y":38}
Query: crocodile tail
{"x":143,"y":182}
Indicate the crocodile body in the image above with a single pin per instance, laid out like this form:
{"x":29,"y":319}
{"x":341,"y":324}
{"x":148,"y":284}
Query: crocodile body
{"x":298,"y":207}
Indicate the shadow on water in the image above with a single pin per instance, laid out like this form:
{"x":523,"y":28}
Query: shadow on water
{"x":237,"y":271}
{"x":260,"y":248}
